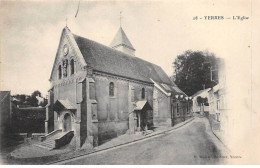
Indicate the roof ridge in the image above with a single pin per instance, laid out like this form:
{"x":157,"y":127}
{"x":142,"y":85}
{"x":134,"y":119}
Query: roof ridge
{"x":140,"y":68}
{"x":124,"y":54}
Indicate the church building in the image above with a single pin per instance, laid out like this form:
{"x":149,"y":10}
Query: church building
{"x":99,"y":92}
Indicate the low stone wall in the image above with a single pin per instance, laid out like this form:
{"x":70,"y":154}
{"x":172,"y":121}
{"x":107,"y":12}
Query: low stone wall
{"x":64,"y":140}
{"x":111,"y":129}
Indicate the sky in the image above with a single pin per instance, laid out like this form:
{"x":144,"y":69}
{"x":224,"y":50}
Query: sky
{"x":159,"y":31}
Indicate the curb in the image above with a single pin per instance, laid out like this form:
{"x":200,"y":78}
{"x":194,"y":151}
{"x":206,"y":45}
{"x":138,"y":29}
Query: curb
{"x":217,"y":136}
{"x":163,"y":132}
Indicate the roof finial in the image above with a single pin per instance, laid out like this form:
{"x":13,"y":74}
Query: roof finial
{"x":120,"y":17}
{"x":66,"y":21}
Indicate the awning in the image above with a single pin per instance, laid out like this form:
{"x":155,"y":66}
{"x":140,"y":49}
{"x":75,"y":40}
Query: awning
{"x":63,"y":104}
{"x":140,"y":105}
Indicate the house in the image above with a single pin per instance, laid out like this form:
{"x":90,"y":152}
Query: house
{"x":40,"y":99}
{"x":99,"y":92}
{"x":200,"y":107}
{"x":5,"y":116}
{"x":218,"y":98}
{"x":214,"y":102}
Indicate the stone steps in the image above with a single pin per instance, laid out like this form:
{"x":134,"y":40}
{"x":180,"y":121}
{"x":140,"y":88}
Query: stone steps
{"x":49,"y":143}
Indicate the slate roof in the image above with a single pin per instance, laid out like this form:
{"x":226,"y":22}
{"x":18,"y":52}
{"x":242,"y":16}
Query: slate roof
{"x":171,"y":88}
{"x":121,"y":39}
{"x":200,"y":91}
{"x":63,"y":104}
{"x":108,"y":60}
{"x":140,"y":105}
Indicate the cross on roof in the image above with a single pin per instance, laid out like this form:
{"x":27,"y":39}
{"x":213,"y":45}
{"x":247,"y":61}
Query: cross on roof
{"x":120,"y":17}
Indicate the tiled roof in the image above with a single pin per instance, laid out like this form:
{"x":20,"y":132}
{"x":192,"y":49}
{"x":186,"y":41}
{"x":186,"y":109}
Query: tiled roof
{"x":108,"y":60}
{"x":121,"y":39}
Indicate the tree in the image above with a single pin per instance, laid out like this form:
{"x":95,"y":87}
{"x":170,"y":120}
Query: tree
{"x":199,"y":100}
{"x":22,"y":98}
{"x":36,"y":93}
{"x":44,"y":103}
{"x":193,"y":70}
{"x":202,"y":102}
{"x":205,"y":101}
{"x":34,"y":100}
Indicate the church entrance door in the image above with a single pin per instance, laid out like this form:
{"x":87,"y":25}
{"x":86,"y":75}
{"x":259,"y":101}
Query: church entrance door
{"x":67,"y":122}
{"x":140,"y":120}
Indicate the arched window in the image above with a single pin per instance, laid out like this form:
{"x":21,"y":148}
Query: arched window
{"x":65,"y":68}
{"x":143,"y":93}
{"x":59,"y":71}
{"x":72,"y":67}
{"x":111,"y":89}
{"x":178,"y":109}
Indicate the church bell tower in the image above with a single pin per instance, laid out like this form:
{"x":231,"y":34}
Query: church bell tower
{"x":121,"y":43}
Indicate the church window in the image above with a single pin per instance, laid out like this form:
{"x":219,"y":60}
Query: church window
{"x":111,"y":89}
{"x":143,"y":93}
{"x":59,"y":72}
{"x":65,"y":67}
{"x":178,"y":113}
{"x":132,"y":95}
{"x":72,"y":67}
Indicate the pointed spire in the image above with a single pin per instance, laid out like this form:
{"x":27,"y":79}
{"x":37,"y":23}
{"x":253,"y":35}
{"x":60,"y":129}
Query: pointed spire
{"x":122,"y":43}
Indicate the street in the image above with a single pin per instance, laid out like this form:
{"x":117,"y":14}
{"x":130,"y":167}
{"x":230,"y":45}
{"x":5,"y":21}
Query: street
{"x":194,"y":143}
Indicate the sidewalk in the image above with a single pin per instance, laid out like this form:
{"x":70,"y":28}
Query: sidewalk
{"x":35,"y":155}
{"x":127,"y":138}
{"x":215,"y":127}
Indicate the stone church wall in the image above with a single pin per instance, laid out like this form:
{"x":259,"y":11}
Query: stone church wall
{"x":65,"y":90}
{"x":112,"y":111}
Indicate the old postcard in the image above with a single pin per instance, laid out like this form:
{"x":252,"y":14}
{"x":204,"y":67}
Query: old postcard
{"x":130,"y":82}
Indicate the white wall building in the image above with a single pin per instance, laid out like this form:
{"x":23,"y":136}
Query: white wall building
{"x":197,"y":107}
